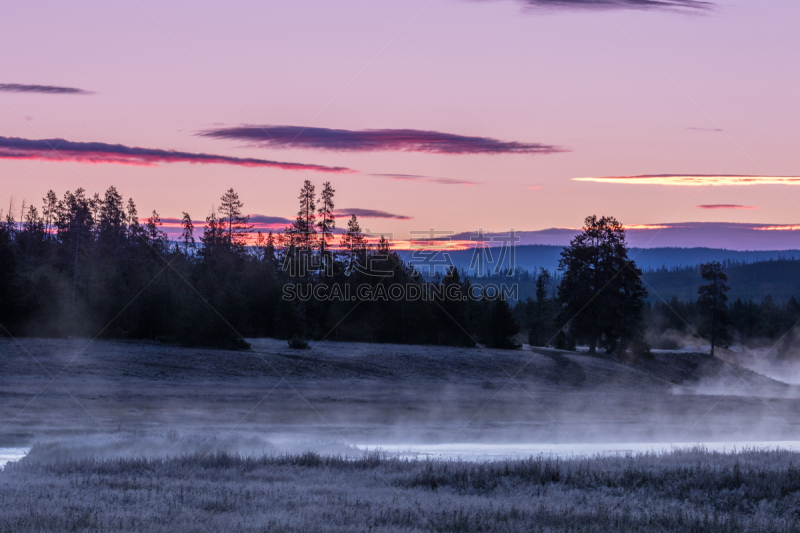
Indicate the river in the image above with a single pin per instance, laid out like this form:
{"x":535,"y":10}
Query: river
{"x":493,"y":452}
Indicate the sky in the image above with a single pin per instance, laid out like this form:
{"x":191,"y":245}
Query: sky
{"x":446,"y":114}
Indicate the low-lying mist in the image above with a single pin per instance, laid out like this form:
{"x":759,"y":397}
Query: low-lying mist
{"x":120,"y":399}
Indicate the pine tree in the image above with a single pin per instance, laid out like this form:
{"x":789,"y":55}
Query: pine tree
{"x":454,"y":311}
{"x":49,"y":211}
{"x":75,"y":233}
{"x":187,"y":236}
{"x":600,"y":286}
{"x":500,"y":326}
{"x":9,"y":289}
{"x":155,"y":235}
{"x":711,"y":303}
{"x":212,"y":236}
{"x":260,"y":246}
{"x":132,"y":217}
{"x":10,"y":221}
{"x":353,"y":244}
{"x":112,"y":213}
{"x":111,"y":222}
{"x":22,"y":213}
{"x":31,"y":238}
{"x":328,"y":220}
{"x":235,"y":225}
{"x":96,"y":204}
{"x":540,"y":330}
{"x":352,"y":238}
{"x":269,"y":248}
{"x":383,"y":247}
{"x":305,"y":224}
{"x":11,"y":209}
{"x":33,"y":223}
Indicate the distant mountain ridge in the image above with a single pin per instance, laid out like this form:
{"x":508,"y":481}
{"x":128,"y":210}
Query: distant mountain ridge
{"x":668,"y":272}
{"x":722,"y":235}
{"x":534,"y":256}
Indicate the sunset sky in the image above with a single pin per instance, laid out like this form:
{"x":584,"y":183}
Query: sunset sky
{"x":451,"y":114}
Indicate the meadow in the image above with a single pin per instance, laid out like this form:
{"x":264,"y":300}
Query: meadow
{"x":693,"y":490}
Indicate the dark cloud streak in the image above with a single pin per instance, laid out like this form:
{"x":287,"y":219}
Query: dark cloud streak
{"x":40,"y":89}
{"x":726,"y":206}
{"x":269,"y":220}
{"x":60,"y":150}
{"x":259,"y":220}
{"x":682,"y":5}
{"x":405,"y":140}
{"x":415,"y":177}
{"x":368,"y":213}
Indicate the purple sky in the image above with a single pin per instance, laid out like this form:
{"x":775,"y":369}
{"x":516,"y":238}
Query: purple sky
{"x":454,"y":114}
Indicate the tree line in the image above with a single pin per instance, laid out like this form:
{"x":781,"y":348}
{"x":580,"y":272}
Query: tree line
{"x":779,"y":278}
{"x":88,"y":266}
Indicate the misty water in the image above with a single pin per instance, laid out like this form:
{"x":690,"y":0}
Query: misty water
{"x":490,"y":452}
{"x":8,"y":455}
{"x":479,"y":452}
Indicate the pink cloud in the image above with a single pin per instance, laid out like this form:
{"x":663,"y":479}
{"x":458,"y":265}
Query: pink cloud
{"x":368,"y":213}
{"x":415,"y":177}
{"x":61,"y":150}
{"x":406,"y":140}
{"x":726,"y":206}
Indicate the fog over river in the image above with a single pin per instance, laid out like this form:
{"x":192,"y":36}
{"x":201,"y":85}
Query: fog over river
{"x":496,"y":452}
{"x":11,"y":454}
{"x":126,"y":399}
{"x":479,"y":452}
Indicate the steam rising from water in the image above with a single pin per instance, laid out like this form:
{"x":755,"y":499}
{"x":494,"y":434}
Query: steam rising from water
{"x":8,"y":455}
{"x":498,"y":452}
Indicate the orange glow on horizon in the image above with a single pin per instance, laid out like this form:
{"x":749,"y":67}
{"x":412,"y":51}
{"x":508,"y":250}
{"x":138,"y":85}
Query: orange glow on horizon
{"x":695,"y":180}
{"x":646,"y":226}
{"x":783,"y":227}
{"x":398,"y":245}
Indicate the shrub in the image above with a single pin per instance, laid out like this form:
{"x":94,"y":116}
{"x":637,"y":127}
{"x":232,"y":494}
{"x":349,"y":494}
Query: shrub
{"x":298,"y":343}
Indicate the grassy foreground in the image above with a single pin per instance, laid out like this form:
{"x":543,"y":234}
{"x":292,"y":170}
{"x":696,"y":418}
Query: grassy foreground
{"x":683,"y":491}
